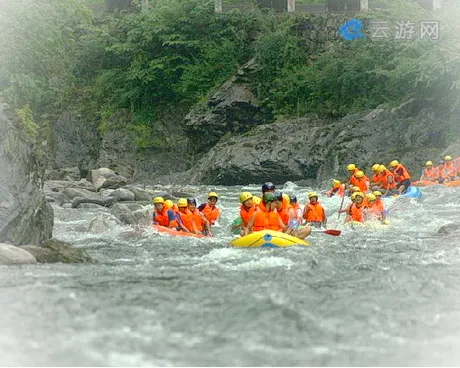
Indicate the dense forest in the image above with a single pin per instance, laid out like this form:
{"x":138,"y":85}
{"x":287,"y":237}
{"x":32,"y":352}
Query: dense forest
{"x":57,"y":54}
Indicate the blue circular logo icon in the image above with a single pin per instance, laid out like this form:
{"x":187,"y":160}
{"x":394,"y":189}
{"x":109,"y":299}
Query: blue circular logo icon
{"x":351,"y":30}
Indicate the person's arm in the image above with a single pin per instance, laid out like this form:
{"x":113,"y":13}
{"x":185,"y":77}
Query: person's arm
{"x":171,"y":218}
{"x":251,"y":223}
{"x":181,"y":224}
{"x":206,"y":223}
{"x":154,"y":216}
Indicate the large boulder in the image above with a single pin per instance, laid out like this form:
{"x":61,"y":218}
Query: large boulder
{"x":53,"y":251}
{"x":105,"y":178}
{"x":231,"y":110}
{"x":12,"y":255}
{"x":25,"y":215}
{"x":309,"y":148}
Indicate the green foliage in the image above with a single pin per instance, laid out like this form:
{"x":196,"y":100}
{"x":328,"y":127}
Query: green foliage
{"x":28,"y":121}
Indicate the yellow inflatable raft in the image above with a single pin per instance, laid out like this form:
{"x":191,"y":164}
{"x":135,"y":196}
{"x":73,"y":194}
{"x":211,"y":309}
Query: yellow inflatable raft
{"x":267,"y":238}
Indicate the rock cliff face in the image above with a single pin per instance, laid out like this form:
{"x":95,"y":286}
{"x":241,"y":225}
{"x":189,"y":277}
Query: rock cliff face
{"x":25,"y":215}
{"x":232,"y":109}
{"x":309,"y":148}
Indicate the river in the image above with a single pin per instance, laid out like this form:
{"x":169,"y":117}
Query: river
{"x":370,"y":297}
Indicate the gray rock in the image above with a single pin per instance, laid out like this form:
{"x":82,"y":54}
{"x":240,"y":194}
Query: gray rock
{"x":12,"y":255}
{"x":122,"y":194}
{"x":102,"y":223}
{"x":312,"y":149}
{"x":448,"y":229}
{"x":124,"y":214}
{"x":114,"y":182}
{"x":145,"y":194}
{"x":143,"y":217}
{"x":25,"y":215}
{"x":76,"y":142}
{"x":104,"y":178}
{"x":67,"y":173}
{"x":72,"y":193}
{"x":104,"y":202}
{"x":60,"y":185}
{"x":231,"y":110}
{"x":53,"y":251}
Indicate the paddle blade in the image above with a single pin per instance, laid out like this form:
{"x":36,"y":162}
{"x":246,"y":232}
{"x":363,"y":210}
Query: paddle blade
{"x":333,"y":232}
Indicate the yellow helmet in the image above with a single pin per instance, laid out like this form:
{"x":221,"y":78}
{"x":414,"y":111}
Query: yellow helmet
{"x":375,"y":167}
{"x":312,"y":194}
{"x":355,"y":189}
{"x":182,"y":202}
{"x":256,"y":200}
{"x":447,"y":158}
{"x":377,"y":193}
{"x":169,"y":203}
{"x":158,"y":200}
{"x":245,"y":196}
{"x":394,"y":163}
{"x":336,"y":183}
{"x":371,"y":197}
{"x":212,"y":194}
{"x":382,"y":168}
{"x":429,"y":163}
{"x":351,"y":167}
{"x":286,"y":198}
{"x":357,"y":194}
{"x":359,"y":174}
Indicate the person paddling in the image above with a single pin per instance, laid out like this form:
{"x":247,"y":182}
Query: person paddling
{"x":201,"y":222}
{"x":402,"y":176}
{"x":247,"y":209}
{"x":162,"y":215}
{"x":314,"y":212}
{"x":209,"y":209}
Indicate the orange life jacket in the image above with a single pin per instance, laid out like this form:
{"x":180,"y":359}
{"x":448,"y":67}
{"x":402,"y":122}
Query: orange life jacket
{"x":400,"y":173}
{"x":338,"y":190}
{"x":246,"y":214}
{"x":431,"y":174}
{"x":284,"y":214}
{"x":376,"y":178}
{"x":353,"y":175}
{"x":212,"y":214}
{"x":187,"y":219}
{"x":362,"y":184}
{"x":162,"y":218}
{"x":355,"y":213}
{"x":448,"y":170}
{"x":314,"y":212}
{"x":377,"y":209}
{"x":266,"y":220}
{"x":384,"y":182}
{"x":198,"y":220}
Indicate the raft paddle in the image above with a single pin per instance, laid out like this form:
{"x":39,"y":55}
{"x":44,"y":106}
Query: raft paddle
{"x":341,"y":206}
{"x":328,"y":232}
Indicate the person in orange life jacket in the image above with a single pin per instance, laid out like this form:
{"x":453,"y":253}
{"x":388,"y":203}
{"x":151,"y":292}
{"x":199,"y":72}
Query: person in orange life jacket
{"x":337,"y":189}
{"x":387,"y":184}
{"x":210,"y":210}
{"x":448,"y":171}
{"x":402,"y":176}
{"x":282,"y":207}
{"x":314,"y":212}
{"x":430,"y":173}
{"x":374,"y":211}
{"x":376,"y":177}
{"x":380,"y":205}
{"x":247,"y":209}
{"x":162,"y":215}
{"x":361,"y":181}
{"x":184,"y":217}
{"x":199,"y":217}
{"x":266,"y":217}
{"x":352,"y":170}
{"x":356,"y":211}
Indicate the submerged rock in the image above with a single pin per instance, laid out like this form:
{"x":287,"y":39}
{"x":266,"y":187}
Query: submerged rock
{"x":12,"y":255}
{"x":53,"y":251}
{"x":102,"y":223}
{"x":448,"y":229}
